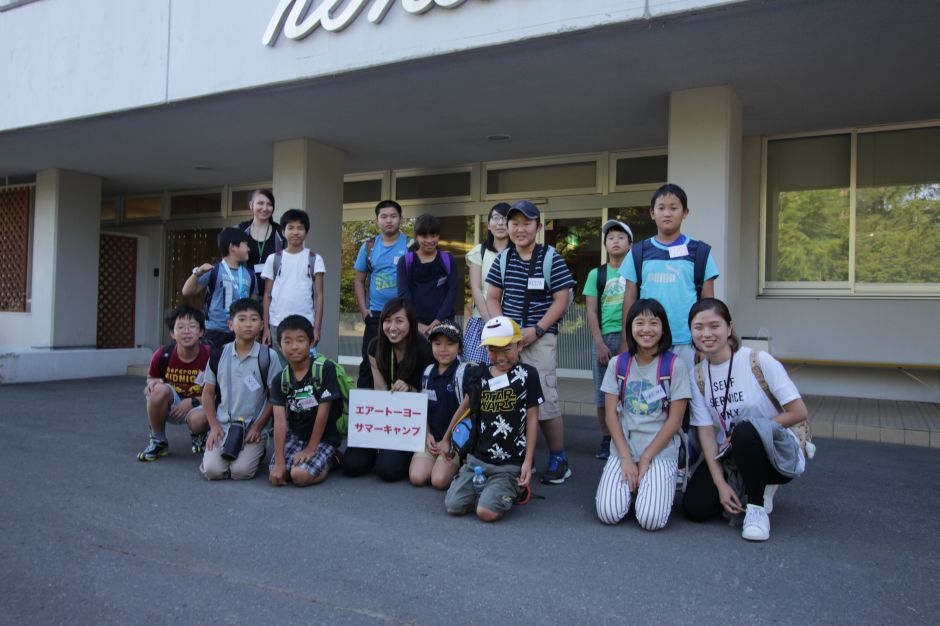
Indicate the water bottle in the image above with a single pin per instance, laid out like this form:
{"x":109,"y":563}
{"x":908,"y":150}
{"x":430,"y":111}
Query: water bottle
{"x":479,"y":480}
{"x":234,"y":440}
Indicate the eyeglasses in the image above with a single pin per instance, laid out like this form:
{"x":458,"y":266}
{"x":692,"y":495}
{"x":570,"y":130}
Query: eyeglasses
{"x":498,"y":219}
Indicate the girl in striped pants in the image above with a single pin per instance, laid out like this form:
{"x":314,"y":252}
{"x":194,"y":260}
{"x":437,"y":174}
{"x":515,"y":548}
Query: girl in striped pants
{"x":646,"y":391}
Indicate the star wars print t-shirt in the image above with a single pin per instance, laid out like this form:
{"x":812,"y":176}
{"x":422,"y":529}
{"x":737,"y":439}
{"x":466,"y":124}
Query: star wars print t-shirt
{"x":504,"y":401}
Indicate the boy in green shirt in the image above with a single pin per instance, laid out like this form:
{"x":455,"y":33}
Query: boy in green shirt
{"x":604,"y":313}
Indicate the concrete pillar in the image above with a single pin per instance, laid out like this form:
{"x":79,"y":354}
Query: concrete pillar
{"x":705,"y":141}
{"x":309,"y":176}
{"x":64,"y":287}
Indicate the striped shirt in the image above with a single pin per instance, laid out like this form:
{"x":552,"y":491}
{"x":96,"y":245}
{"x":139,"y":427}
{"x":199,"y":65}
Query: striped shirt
{"x":517,"y":276}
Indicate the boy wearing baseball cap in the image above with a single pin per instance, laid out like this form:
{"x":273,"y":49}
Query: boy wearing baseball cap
{"x":531,"y":284}
{"x":504,"y":400}
{"x":603,"y":294}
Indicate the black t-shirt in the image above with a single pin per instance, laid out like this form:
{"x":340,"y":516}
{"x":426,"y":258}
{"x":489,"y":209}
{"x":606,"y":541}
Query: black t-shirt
{"x":302,"y":401}
{"x":502,"y":412}
{"x":424,"y":358}
{"x":443,"y":403}
{"x":258,"y":252}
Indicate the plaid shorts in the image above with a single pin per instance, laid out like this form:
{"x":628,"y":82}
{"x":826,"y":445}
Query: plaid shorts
{"x":472,"y":351}
{"x":314,"y":466}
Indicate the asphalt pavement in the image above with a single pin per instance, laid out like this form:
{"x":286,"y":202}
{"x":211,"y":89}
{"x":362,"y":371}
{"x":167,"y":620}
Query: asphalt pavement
{"x":90,"y":535}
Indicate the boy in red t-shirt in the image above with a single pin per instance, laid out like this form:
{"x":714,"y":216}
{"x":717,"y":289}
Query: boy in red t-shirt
{"x":174,"y":383}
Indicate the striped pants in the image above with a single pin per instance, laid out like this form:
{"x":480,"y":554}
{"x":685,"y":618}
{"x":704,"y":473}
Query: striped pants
{"x":654,"y":497}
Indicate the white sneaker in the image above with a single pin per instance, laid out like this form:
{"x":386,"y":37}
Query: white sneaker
{"x":756,"y":524}
{"x":769,"y":492}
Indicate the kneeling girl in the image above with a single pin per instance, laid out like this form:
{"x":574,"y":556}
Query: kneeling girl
{"x":646,"y":392}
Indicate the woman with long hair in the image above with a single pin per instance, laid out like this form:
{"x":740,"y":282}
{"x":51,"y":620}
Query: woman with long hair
{"x":479,"y":260}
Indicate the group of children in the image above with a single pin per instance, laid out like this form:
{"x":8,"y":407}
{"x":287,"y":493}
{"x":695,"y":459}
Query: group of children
{"x":650,"y":310}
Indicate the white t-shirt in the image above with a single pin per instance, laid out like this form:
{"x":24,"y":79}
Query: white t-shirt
{"x":293,"y":288}
{"x":483,"y":258}
{"x":745,"y":397}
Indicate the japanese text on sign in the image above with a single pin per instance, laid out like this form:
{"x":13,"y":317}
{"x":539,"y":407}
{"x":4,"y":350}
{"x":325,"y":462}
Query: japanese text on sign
{"x":386,"y":420}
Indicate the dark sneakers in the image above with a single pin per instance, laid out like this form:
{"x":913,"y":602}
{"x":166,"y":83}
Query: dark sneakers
{"x":603,"y":452}
{"x":154,"y":450}
{"x":199,"y":442}
{"x":557,"y":472}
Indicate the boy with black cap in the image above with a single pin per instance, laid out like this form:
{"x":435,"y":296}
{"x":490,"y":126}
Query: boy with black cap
{"x":442,"y":381}
{"x":603,"y":294}
{"x":530,"y":283}
{"x":504,"y":399}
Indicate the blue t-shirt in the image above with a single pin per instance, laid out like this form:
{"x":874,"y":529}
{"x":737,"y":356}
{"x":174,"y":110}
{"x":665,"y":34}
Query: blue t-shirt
{"x":231,"y":285}
{"x":671,"y":280}
{"x":383,"y":281}
{"x":517,"y":275}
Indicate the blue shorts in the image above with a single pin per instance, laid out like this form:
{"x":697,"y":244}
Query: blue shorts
{"x":176,"y":400}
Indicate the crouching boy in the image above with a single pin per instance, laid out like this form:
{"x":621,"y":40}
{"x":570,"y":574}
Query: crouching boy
{"x":243,"y":375}
{"x":174,"y":383}
{"x":504,"y":400}
{"x":307,"y":405}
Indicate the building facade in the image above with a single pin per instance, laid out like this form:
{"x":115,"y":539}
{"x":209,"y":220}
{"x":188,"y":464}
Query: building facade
{"x":805,"y":133}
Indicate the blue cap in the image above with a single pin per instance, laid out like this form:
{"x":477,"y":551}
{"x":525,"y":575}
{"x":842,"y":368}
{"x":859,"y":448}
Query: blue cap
{"x":526,"y":208}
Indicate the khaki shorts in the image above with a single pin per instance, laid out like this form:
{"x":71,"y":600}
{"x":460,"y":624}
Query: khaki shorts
{"x":427,"y":454}
{"x":541,"y":355}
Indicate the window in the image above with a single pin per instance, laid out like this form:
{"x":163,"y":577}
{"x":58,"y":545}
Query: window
{"x":143,"y":208}
{"x":640,"y":170}
{"x":362,"y":191}
{"x":556,"y":177}
{"x":872,"y":230}
{"x":109,"y":210}
{"x":448,"y":185}
{"x":186,"y":205}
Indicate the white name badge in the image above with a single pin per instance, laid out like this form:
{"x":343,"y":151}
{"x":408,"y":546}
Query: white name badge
{"x":395,"y":260}
{"x":653,"y":394}
{"x":200,"y":378}
{"x":432,"y":395}
{"x":441,"y":282}
{"x":307,"y":403}
{"x":677,"y":251}
{"x":259,"y":267}
{"x":536,"y":283}
{"x":499,"y":382}
{"x":251,"y":383}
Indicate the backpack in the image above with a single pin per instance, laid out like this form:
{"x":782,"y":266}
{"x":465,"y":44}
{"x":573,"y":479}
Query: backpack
{"x":410,"y":259}
{"x":702,"y":251}
{"x":458,"y":378}
{"x":801,"y":429}
{"x":370,"y":250}
{"x":215,"y":281}
{"x":344,"y":381}
{"x":311,"y":272}
{"x":167,"y":350}
{"x":666,"y":363}
{"x":464,"y":434}
{"x":547,"y":261}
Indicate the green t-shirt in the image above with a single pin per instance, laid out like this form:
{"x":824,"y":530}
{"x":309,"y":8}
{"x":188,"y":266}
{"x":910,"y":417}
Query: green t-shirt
{"x":611,"y":299}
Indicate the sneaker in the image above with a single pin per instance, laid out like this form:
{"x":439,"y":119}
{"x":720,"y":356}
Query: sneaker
{"x":769,"y":492}
{"x":603,"y":453}
{"x":154,"y":450}
{"x":336,"y":460}
{"x":557,"y":472}
{"x":756,"y":524}
{"x":199,"y":442}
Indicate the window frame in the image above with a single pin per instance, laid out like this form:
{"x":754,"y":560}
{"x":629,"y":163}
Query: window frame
{"x":600,"y":176}
{"x":473,"y":169}
{"x":836,"y":289}
{"x":613,"y":187}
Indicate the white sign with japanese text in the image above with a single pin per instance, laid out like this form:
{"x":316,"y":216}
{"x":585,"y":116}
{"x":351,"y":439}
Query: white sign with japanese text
{"x":386,"y":420}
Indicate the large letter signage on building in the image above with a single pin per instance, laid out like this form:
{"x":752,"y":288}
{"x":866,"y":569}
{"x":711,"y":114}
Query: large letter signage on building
{"x":302,"y":20}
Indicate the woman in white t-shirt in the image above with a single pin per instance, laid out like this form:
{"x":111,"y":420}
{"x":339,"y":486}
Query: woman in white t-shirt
{"x":743,"y":437}
{"x":646,"y":390}
{"x":479,"y":260}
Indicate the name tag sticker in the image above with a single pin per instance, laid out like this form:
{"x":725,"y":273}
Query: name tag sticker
{"x":441,"y":282}
{"x":536,"y":283}
{"x":653,"y":394}
{"x":259,"y":267}
{"x":252,"y":383}
{"x":307,"y":403}
{"x":677,"y":251}
{"x":395,"y":260}
{"x":432,"y":395}
{"x":499,"y":382}
{"x":200,"y":378}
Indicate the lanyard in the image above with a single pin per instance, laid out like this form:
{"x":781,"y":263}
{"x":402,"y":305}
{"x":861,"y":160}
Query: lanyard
{"x":391,"y":367}
{"x":264,"y":240}
{"x":232,"y":278}
{"x":724,"y":407}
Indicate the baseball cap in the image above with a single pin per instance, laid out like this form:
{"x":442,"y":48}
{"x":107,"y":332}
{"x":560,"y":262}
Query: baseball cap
{"x":526,"y":208}
{"x":611,"y":223}
{"x":500,"y":331}
{"x":448,"y":329}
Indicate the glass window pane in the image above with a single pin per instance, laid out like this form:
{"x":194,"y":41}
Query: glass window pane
{"x":241,"y":200}
{"x":143,"y":208}
{"x":362,"y":191}
{"x":542,"y":178}
{"x":196,"y":204}
{"x":808,"y":209}
{"x":454,"y":185}
{"x":637,"y":218}
{"x":108,"y":210}
{"x":642,"y":170}
{"x":897,"y":215}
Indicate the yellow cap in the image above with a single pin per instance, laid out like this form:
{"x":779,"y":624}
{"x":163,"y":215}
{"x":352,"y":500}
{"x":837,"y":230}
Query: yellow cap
{"x":500,"y":331}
